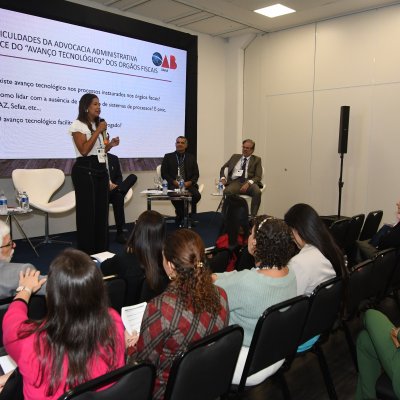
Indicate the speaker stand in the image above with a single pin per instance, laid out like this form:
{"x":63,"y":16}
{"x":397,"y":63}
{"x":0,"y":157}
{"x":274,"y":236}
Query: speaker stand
{"x":340,"y":183}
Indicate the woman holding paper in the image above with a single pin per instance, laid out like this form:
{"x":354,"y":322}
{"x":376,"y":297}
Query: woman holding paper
{"x":79,"y":339}
{"x":189,"y":309}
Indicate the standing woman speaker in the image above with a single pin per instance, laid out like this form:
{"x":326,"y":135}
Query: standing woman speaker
{"x":90,"y":176}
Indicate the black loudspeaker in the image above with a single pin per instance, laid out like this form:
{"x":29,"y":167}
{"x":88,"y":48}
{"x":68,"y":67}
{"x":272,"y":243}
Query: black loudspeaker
{"x":343,"y":129}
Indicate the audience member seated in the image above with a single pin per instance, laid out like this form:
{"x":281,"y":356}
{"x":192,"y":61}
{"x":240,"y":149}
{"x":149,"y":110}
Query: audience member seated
{"x":118,"y":190}
{"x":235,"y":228}
{"x":79,"y":339}
{"x":251,"y":292}
{"x":377,"y":349}
{"x":9,"y":272}
{"x":190,"y":308}
{"x":388,"y":236}
{"x":140,"y":265}
{"x":319,"y":258}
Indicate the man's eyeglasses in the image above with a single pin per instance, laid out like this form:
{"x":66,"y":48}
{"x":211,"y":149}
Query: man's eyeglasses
{"x":10,"y":243}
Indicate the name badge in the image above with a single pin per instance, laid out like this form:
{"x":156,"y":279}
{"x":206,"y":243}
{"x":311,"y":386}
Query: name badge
{"x":101,"y":155}
{"x":238,"y":173}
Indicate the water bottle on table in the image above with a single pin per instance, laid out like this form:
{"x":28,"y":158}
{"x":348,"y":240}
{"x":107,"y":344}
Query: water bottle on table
{"x":181,"y":185}
{"x":24,"y":201}
{"x":164,"y":187}
{"x":3,"y":204}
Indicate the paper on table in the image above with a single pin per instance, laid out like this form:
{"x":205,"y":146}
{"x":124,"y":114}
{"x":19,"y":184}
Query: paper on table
{"x":102,"y":256}
{"x":132,"y":317}
{"x":7,"y":364}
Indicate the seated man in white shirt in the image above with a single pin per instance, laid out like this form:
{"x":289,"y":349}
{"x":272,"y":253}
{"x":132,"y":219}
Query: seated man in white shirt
{"x":244,"y":175}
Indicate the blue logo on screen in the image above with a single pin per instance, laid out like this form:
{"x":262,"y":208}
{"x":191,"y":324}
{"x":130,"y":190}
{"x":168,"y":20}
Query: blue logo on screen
{"x":157,"y":59}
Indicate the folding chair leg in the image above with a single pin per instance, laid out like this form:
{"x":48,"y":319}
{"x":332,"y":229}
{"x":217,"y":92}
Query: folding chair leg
{"x":281,"y":381}
{"x":326,"y":374}
{"x":350,"y":343}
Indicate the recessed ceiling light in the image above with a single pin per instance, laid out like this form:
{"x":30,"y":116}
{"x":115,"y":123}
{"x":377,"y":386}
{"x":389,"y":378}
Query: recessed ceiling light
{"x":275,"y":11}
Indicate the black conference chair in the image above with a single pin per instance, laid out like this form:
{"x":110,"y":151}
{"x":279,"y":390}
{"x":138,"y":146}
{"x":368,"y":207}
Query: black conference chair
{"x":371,"y":225}
{"x":384,"y":265}
{"x":205,"y":370}
{"x":131,"y":381}
{"x":324,"y":310}
{"x":219,"y":261}
{"x":276,"y":336}
{"x":350,"y":240}
{"x":384,"y":388}
{"x":37,"y":309}
{"x":360,"y":292}
{"x":116,"y":288}
{"x":394,"y":283}
{"x":338,"y":230}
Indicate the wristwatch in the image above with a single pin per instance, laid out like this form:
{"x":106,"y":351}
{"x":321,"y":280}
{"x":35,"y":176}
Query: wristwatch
{"x":21,"y":288}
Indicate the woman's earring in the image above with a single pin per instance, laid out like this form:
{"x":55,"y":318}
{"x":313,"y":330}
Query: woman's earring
{"x":86,"y":110}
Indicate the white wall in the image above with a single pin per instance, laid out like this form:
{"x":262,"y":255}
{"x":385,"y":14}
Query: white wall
{"x":295,"y":82}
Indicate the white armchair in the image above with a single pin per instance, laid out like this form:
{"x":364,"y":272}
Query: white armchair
{"x":41,"y":184}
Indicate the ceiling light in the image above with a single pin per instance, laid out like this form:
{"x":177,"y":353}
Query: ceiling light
{"x":275,"y":11}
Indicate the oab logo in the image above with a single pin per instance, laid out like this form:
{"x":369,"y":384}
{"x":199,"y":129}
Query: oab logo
{"x":166,"y":64}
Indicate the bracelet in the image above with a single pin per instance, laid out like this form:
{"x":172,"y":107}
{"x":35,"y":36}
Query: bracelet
{"x":21,"y":288}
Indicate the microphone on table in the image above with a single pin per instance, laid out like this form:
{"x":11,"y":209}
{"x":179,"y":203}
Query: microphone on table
{"x":105,"y":133}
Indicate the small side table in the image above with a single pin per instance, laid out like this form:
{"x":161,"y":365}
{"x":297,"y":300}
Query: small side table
{"x":158,"y":195}
{"x":12,"y":213}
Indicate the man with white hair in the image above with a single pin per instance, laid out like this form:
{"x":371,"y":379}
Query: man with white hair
{"x":9,"y":272}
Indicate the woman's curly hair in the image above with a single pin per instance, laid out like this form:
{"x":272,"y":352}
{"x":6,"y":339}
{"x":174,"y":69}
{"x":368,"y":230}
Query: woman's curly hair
{"x":274,"y":243}
{"x":185,"y":250}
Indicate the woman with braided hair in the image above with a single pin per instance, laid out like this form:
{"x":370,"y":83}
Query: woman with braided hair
{"x":189,"y":309}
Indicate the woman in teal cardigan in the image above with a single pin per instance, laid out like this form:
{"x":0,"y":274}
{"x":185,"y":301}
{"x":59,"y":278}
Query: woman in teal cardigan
{"x":377,"y":349}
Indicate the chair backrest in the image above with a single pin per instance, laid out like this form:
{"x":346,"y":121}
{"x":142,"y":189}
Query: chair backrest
{"x":384,"y":265}
{"x":37,"y":309}
{"x":116,"y":289}
{"x":40,"y":184}
{"x":219,"y":261}
{"x":353,"y":231}
{"x":276,"y":335}
{"x":338,"y":230}
{"x":359,"y":287}
{"x":371,"y":225}
{"x":205,"y":370}
{"x":394,"y":283}
{"x":131,"y":381}
{"x":324,"y":308}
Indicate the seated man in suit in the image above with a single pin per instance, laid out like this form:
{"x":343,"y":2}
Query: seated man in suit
{"x":244,"y":175}
{"x":9,"y":272}
{"x":118,"y":190}
{"x":388,"y":236}
{"x":181,"y":164}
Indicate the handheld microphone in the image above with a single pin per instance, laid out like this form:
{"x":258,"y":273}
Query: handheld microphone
{"x":104,"y":133}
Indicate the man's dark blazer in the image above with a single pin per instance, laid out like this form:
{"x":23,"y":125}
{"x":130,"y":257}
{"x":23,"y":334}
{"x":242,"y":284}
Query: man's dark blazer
{"x":169,"y":168}
{"x":254,"y":170}
{"x":391,"y":239}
